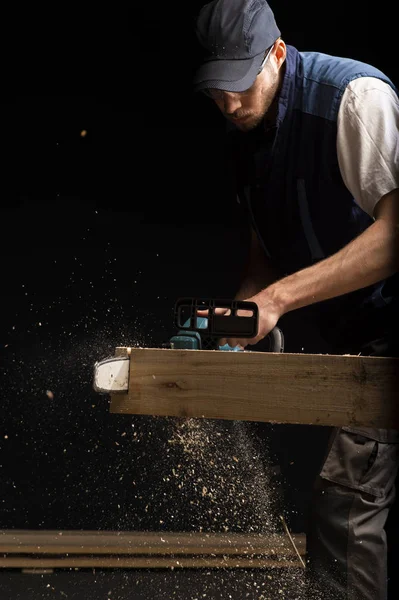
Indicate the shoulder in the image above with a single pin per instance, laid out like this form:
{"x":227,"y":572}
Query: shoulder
{"x":326,"y":78}
{"x":369,"y":90}
{"x":369,"y":100}
{"x":336,"y":70}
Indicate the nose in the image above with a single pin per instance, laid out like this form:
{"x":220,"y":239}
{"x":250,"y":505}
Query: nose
{"x":231,"y":102}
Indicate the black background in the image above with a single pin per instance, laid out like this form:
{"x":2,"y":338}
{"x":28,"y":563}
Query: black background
{"x":100,"y":234}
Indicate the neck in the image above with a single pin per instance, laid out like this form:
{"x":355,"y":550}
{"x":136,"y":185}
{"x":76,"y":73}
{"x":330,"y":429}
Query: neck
{"x":271,"y":115}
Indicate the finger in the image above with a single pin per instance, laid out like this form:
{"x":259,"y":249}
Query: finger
{"x":234,"y":342}
{"x":241,"y":343}
{"x":253,"y":341}
{"x":203,"y":312}
{"x":230,"y":343}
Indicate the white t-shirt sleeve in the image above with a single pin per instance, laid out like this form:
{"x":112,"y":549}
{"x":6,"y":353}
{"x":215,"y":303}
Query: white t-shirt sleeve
{"x":368,"y":140}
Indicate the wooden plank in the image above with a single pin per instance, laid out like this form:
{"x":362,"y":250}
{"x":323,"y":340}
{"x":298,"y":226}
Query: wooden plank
{"x":136,"y":550}
{"x":312,"y":389}
{"x":141,"y":543}
{"x":146,"y":563}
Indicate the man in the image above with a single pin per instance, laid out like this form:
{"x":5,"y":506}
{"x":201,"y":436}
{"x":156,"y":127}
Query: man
{"x":315,"y":146}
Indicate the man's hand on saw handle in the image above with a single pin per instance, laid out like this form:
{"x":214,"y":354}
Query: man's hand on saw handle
{"x":268,"y":318}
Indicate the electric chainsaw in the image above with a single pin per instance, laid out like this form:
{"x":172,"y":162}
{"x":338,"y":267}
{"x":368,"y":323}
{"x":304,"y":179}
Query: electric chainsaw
{"x":224,"y":319}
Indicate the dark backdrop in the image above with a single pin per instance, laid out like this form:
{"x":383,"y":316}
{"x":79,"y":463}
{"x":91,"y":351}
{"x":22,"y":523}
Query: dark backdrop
{"x":113,"y":206}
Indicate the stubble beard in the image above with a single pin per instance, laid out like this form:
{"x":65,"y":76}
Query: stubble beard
{"x":267,"y":99}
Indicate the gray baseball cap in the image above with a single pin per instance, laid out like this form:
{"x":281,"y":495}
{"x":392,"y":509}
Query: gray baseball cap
{"x":235,"y":35}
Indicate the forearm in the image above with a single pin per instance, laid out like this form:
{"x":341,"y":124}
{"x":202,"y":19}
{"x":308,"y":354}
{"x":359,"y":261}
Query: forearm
{"x":371,"y":257}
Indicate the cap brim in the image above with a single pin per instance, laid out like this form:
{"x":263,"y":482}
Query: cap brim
{"x":229,"y":75}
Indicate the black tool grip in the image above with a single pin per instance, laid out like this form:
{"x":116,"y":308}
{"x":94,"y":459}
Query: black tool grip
{"x":219,"y":325}
{"x":229,"y":324}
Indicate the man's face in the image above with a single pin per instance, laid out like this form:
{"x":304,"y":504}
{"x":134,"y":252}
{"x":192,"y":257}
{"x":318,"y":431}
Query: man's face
{"x":247,"y":109}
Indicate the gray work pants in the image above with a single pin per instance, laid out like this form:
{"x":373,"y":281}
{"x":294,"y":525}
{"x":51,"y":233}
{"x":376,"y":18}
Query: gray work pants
{"x":346,"y":541}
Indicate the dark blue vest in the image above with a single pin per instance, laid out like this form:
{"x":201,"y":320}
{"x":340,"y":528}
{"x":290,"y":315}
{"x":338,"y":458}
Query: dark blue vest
{"x":288,"y":177}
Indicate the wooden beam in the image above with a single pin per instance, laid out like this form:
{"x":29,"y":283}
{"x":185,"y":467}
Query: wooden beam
{"x":137,"y":562}
{"x":109,"y":549}
{"x":149,"y":542}
{"x":313,"y":389}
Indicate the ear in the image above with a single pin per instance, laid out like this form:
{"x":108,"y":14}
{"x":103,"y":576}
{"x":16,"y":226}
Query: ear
{"x":280,"y":52}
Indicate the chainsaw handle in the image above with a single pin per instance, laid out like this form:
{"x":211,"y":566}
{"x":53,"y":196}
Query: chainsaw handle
{"x":219,"y":326}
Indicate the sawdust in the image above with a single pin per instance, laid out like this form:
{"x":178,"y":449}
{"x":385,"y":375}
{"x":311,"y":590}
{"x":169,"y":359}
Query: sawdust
{"x":196,"y":474}
{"x":225,"y":475}
{"x":207,"y":476}
{"x":222,"y":473}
